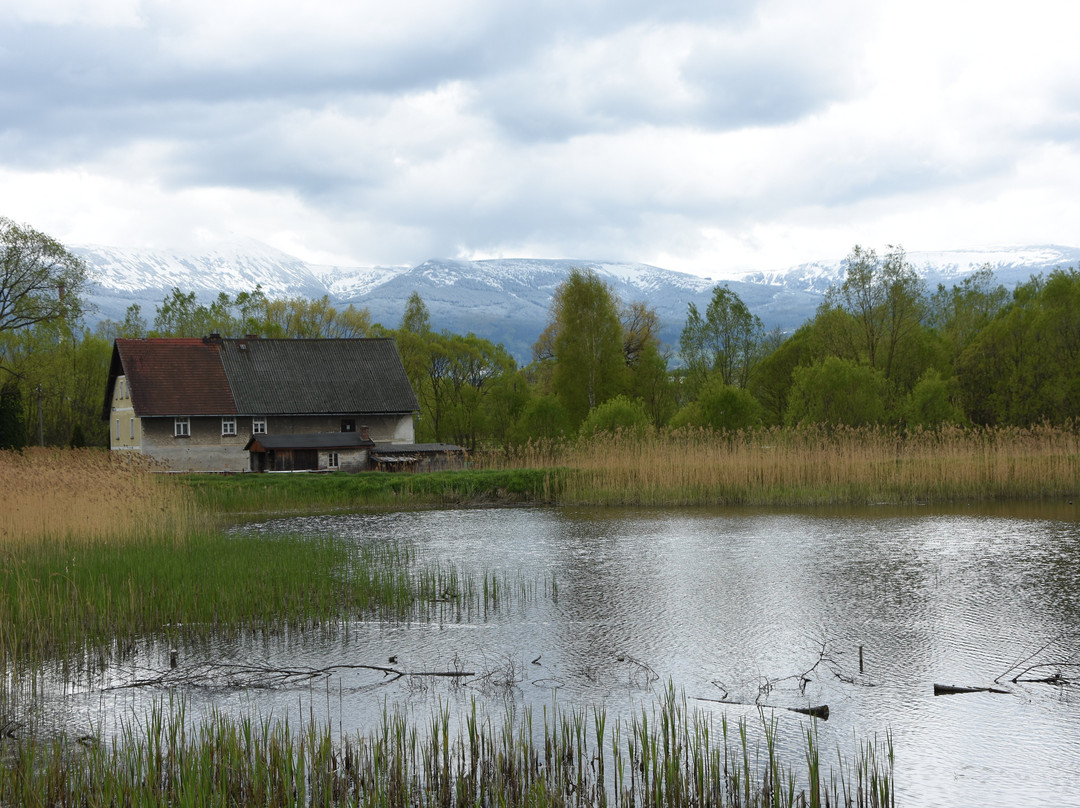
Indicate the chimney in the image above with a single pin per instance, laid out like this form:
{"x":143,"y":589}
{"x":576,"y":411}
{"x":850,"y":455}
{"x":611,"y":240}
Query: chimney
{"x":365,"y":433}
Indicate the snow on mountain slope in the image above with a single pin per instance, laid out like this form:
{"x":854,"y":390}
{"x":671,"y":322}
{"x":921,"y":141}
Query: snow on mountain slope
{"x":505,"y":300}
{"x":1011,"y":265}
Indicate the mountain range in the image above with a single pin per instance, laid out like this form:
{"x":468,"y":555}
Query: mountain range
{"x":505,"y":300}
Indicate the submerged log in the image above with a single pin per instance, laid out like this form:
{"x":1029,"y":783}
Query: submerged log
{"x":820,"y":711}
{"x":952,"y":690}
{"x":814,"y":711}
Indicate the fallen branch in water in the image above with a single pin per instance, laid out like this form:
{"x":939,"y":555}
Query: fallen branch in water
{"x":815,"y":711}
{"x":1056,"y":678}
{"x":263,"y":677}
{"x":952,"y":690}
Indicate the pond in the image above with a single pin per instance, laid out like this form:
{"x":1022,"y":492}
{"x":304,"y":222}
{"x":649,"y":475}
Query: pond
{"x":736,"y":609}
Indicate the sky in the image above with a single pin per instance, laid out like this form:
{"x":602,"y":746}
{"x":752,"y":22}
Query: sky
{"x":705,"y":137}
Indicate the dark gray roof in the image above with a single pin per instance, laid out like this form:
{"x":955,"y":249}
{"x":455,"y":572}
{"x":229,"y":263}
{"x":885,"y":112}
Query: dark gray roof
{"x":331,"y":376}
{"x":415,"y":448}
{"x":318,"y":440}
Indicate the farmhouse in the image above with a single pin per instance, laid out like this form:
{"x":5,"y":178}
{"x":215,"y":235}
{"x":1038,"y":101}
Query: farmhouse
{"x":214,"y":404}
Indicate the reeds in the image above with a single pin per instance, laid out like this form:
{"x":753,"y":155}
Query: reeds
{"x":809,"y":466}
{"x":86,"y":494}
{"x":60,"y":599}
{"x":668,"y":757}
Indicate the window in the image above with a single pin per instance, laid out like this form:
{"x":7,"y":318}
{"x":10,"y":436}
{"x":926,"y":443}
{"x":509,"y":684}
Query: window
{"x":131,"y":424}
{"x":182,"y":427}
{"x":348,"y":425}
{"x":228,"y":426}
{"x":258,"y":426}
{"x":117,"y":429}
{"x":331,"y":460}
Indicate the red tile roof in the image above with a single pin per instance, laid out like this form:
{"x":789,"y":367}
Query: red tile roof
{"x":175,"y":377}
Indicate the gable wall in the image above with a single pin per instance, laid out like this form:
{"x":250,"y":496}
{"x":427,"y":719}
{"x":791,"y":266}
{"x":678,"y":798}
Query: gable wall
{"x":125,"y":429}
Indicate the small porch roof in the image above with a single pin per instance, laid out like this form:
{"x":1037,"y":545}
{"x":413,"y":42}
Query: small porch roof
{"x":317,"y":440}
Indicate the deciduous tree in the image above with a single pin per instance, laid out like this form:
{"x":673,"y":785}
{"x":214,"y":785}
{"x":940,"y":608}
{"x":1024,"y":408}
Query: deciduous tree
{"x":726,"y":340}
{"x":40,"y":280}
{"x":585,"y":336}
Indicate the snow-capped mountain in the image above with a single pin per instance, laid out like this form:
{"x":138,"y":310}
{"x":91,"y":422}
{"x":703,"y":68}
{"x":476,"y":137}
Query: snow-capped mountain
{"x":504,"y":300}
{"x":1010,"y":265}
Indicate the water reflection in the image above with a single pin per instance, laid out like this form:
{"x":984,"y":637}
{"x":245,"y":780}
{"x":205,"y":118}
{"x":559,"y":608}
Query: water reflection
{"x":749,"y":606}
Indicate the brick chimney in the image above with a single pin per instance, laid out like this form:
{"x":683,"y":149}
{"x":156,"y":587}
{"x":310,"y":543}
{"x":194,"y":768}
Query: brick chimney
{"x":365,"y":433}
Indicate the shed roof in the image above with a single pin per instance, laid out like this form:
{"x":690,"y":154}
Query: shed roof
{"x":329,"y":376}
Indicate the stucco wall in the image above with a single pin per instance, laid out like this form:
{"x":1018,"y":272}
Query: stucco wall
{"x":125,"y":430}
{"x":206,"y":449}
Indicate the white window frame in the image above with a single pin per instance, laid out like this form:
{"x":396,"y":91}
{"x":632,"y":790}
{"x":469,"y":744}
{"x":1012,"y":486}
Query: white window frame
{"x":333,"y":461}
{"x":228,"y":426}
{"x":182,"y":427}
{"x":131,"y":423}
{"x":258,"y":425}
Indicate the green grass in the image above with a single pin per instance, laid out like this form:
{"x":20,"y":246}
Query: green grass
{"x":266,"y":494}
{"x":60,"y":596}
{"x":666,"y":757}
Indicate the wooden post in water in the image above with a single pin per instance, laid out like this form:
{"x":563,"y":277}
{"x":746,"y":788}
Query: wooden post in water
{"x":860,"y":659}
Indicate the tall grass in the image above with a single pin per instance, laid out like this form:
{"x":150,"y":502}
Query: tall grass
{"x":60,"y":598}
{"x":667,"y":757}
{"x":89,"y":494}
{"x":809,"y":466}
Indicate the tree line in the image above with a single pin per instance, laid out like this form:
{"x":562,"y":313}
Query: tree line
{"x":881,"y":349}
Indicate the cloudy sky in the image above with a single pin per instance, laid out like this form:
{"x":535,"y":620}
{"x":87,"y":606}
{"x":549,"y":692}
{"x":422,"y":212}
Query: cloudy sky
{"x":707,"y":137}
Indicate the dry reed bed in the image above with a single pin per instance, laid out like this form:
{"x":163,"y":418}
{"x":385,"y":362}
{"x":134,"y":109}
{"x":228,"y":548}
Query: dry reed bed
{"x":811,"y":466}
{"x":86,"y":494}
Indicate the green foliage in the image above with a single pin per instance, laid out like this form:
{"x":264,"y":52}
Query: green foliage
{"x":960,"y":312}
{"x":181,"y":315}
{"x":930,"y":403}
{"x":416,"y":319}
{"x":586,"y":343}
{"x":887,"y":305}
{"x":1024,"y":366}
{"x":836,"y":392}
{"x":728,"y":341}
{"x":316,"y":493}
{"x":62,"y":371}
{"x":772,"y":382}
{"x":618,"y":414}
{"x":721,"y":407}
{"x":544,"y":417}
{"x":12,"y":422}
{"x":133,"y":326}
{"x":40,"y":280}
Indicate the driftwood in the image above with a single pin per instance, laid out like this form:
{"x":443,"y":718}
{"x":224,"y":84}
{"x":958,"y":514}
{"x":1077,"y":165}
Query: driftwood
{"x":814,"y":711}
{"x":255,"y":676}
{"x":952,"y":690}
{"x":1056,"y":678}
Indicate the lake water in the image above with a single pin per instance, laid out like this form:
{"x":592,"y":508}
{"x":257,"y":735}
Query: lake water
{"x":762,"y":608}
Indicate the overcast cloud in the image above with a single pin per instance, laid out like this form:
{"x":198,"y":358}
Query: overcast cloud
{"x":708,"y":137}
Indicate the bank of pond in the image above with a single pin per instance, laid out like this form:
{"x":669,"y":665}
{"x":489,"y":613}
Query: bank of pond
{"x":367,"y":639}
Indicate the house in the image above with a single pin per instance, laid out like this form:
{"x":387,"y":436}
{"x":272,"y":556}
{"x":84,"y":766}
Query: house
{"x":214,"y":404}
